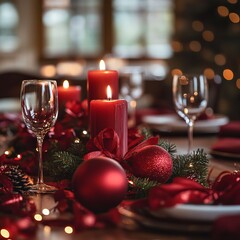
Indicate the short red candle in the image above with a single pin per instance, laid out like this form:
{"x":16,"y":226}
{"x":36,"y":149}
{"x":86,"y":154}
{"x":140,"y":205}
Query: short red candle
{"x":68,"y":93}
{"x":110,"y":114}
{"x":97,"y":82}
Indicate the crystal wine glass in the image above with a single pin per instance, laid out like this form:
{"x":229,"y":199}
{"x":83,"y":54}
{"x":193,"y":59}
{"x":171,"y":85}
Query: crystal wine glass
{"x":190,"y":95}
{"x":39,"y":103}
{"x":132,"y":87}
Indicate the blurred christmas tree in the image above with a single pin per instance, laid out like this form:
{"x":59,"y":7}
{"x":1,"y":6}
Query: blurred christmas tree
{"x":206,"y":40}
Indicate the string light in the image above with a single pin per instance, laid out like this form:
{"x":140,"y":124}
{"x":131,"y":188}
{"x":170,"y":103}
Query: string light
{"x":238,"y":83}
{"x":195,"y":46}
{"x":38,"y":217}
{"x":234,"y":18}
{"x":68,"y":230}
{"x":220,"y":59}
{"x":223,"y":11}
{"x":197,"y":26}
{"x":45,"y":212}
{"x":228,"y":74}
{"x":4,"y":233}
{"x":208,"y":36}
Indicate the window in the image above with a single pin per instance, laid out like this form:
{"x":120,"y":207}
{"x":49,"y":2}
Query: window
{"x":8,"y":27}
{"x":140,"y":28}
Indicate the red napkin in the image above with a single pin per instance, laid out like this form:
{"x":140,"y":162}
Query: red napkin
{"x":226,"y":227}
{"x":232,"y":129}
{"x":227,"y":145}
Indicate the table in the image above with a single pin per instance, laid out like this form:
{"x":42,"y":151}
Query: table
{"x":130,"y":230}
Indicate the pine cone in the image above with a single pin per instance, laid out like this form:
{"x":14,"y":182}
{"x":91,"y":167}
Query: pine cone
{"x":21,"y":181}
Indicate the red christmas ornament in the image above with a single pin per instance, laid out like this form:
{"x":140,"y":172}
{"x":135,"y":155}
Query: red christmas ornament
{"x":100,"y":184}
{"x":151,"y":162}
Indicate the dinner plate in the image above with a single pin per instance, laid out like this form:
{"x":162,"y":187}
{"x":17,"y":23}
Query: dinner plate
{"x":172,"y":122}
{"x":134,"y":217}
{"x":220,"y":154}
{"x":198,"y":212}
{"x":10,"y":105}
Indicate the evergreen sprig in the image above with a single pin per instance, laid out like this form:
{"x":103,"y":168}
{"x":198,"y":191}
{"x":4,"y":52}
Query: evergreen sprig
{"x":61,"y":164}
{"x":139,"y":187}
{"x":194,"y":166}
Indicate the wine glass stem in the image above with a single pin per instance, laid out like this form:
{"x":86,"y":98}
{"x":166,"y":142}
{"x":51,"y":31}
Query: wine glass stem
{"x":190,"y":134}
{"x":40,"y":161}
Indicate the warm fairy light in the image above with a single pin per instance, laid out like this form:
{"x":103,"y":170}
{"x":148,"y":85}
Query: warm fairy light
{"x":102,"y":65}
{"x":45,"y":212}
{"x":238,"y":83}
{"x":84,"y":132}
{"x":228,"y":74}
{"x":232,"y":1}
{"x":4,"y":233}
{"x":176,"y":71}
{"x":223,"y":11}
{"x":65,"y":84}
{"x":208,"y":36}
{"x":220,"y":59}
{"x":130,"y":182}
{"x":38,"y":217}
{"x":68,"y":230}
{"x":195,"y":46}
{"x":47,"y":232}
{"x":48,"y":70}
{"x":209,"y":73}
{"x":133,"y":104}
{"x":7,"y":152}
{"x":177,"y":46}
{"x":197,"y":26}
{"x":234,"y":17}
{"x":109,"y":93}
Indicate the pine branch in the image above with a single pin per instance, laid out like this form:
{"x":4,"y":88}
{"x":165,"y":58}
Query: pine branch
{"x":194,"y":166}
{"x":169,"y":147}
{"x":62,"y":165}
{"x":139,"y":187}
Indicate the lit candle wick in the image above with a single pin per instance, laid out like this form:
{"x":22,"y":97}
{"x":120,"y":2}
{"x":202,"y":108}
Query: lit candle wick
{"x":109,"y":93}
{"x":102,"y":65}
{"x":65,"y":84}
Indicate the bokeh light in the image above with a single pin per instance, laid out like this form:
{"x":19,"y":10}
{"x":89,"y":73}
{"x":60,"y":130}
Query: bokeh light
{"x":223,"y":11}
{"x":228,"y":74}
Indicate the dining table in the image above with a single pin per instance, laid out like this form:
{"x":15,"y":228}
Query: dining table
{"x":132,"y":227}
{"x":137,"y":226}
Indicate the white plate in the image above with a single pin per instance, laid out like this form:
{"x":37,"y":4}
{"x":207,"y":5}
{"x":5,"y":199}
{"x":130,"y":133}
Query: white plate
{"x":198,"y":212}
{"x":10,"y":105}
{"x":172,"y":122}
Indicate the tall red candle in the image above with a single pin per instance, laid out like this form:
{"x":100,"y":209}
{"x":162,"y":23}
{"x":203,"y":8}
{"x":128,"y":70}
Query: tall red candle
{"x":68,"y":93}
{"x":98,"y":80}
{"x":110,"y":114}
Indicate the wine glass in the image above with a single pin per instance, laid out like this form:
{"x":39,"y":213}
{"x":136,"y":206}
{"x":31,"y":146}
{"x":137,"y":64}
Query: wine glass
{"x":132,"y":88}
{"x":190,"y":95}
{"x":39,"y":103}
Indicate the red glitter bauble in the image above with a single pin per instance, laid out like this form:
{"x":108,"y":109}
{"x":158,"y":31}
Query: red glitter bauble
{"x":152,"y":162}
{"x":100,"y":184}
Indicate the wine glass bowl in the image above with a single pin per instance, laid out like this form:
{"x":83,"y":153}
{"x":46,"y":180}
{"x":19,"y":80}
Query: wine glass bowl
{"x":39,"y":104}
{"x":190,"y":96}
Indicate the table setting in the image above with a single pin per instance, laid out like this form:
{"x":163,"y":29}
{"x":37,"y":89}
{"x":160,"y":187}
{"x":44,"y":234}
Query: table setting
{"x":73,"y":167}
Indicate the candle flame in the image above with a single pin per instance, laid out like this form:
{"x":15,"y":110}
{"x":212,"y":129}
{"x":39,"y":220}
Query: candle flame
{"x":65,"y":84}
{"x":109,"y":92}
{"x":102,"y":65}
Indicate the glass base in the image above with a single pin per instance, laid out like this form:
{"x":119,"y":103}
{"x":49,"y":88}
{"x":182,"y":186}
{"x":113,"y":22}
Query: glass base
{"x":42,"y":188}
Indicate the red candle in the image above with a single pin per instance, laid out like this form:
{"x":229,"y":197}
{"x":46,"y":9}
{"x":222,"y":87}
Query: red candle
{"x":68,"y":93}
{"x":98,"y":80}
{"x":110,"y":114}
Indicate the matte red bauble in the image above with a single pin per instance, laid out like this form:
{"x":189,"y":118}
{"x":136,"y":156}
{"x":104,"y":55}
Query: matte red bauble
{"x":100,"y":184}
{"x":152,"y":162}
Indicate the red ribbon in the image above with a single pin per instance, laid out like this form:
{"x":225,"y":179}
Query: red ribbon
{"x":224,"y":190}
{"x":106,"y":143}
